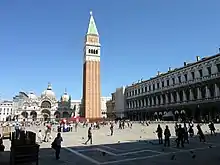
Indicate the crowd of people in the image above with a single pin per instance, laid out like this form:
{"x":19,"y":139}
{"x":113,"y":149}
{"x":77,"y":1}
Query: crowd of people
{"x":182,"y":133}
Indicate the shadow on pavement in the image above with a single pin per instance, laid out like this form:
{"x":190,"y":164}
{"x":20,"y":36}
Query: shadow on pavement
{"x":126,"y":153}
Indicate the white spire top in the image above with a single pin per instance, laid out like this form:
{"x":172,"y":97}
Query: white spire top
{"x":90,"y":13}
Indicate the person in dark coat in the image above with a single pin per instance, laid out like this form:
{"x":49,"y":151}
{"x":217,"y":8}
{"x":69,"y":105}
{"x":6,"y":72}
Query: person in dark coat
{"x":160,"y":134}
{"x":89,"y":136}
{"x":212,"y":128}
{"x":2,"y":147}
{"x":180,"y":136}
{"x":167,"y":136}
{"x":111,"y":129}
{"x":200,"y":133}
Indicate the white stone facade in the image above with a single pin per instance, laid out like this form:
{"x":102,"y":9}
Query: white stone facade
{"x":6,"y":109}
{"x":103,"y":106}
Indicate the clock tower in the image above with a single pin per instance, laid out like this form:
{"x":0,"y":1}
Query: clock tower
{"x":91,"y":73}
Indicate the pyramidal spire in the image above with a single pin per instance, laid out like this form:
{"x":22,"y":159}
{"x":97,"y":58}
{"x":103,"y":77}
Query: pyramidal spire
{"x":92,"y":26}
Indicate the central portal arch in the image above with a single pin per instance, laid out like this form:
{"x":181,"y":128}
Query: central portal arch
{"x":46,"y":114}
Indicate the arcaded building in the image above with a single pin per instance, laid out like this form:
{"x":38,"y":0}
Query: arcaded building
{"x":191,"y":91}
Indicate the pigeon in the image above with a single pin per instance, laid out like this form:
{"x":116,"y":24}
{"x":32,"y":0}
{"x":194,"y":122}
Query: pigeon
{"x":103,"y":153}
{"x":118,"y":141}
{"x":173,"y":157}
{"x":140,"y":137}
{"x":191,"y":152}
{"x":82,"y":137}
{"x":210,"y":146}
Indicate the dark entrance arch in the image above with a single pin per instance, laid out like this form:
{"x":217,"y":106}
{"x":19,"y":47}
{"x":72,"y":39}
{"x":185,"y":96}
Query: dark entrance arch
{"x":24,"y":114}
{"x":57,"y":114}
{"x":33,"y":115}
{"x":66,"y":114}
{"x":46,"y":114}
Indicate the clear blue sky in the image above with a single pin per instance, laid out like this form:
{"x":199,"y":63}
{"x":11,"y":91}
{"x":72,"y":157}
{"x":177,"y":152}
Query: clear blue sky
{"x":41,"y":41}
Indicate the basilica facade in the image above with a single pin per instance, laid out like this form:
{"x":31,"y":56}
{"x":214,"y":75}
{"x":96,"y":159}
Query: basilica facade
{"x":30,"y":107}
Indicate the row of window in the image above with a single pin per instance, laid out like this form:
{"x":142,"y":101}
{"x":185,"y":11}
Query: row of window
{"x":5,"y":109}
{"x":171,"y":81}
{"x":4,"y":113}
{"x":93,"y":51}
{"x":173,"y":97}
{"x":6,"y":104}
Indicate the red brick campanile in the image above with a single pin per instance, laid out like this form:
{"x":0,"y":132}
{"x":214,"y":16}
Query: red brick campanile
{"x":91,"y":103}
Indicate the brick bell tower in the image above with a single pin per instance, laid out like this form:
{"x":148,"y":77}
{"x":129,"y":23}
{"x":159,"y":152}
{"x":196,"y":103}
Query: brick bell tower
{"x":91,"y":73}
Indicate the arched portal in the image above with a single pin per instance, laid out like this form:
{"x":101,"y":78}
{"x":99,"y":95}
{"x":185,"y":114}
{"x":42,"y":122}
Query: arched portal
{"x":24,"y":114}
{"x":57,"y":114}
{"x":46,"y":104}
{"x":33,"y":115}
{"x":46,"y":114}
{"x":66,"y":114}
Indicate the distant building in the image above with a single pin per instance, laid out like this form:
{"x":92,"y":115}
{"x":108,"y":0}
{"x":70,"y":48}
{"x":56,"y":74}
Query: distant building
{"x":31,"y":107}
{"x":103,"y":106}
{"x":116,"y":106}
{"x":110,"y":105}
{"x":6,"y":110}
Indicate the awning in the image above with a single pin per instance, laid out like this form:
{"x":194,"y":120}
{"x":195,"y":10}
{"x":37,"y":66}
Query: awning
{"x":169,"y":114}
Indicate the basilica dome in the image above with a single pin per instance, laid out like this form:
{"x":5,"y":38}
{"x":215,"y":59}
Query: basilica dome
{"x":49,"y":93}
{"x":65,"y":97}
{"x":32,"y":96}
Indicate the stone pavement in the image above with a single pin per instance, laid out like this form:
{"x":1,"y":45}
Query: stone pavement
{"x":130,"y":146}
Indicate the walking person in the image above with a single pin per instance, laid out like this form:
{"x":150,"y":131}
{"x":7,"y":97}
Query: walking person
{"x":111,"y":129}
{"x":167,"y":135}
{"x":212,"y":128}
{"x":186,"y":135}
{"x":160,"y":134}
{"x":89,"y":136}
{"x":191,"y":131}
{"x":200,"y":133}
{"x":57,"y":145}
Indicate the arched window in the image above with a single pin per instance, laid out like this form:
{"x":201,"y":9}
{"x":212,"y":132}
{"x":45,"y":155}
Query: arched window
{"x":89,"y":51}
{"x":96,"y":52}
{"x":92,"y":51}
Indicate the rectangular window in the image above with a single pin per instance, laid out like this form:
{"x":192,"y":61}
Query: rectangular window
{"x":168,"y":83}
{"x":162,"y":84}
{"x":209,"y":70}
{"x":186,"y":77}
{"x":158,"y":85}
{"x":146,"y":89}
{"x":218,"y":67}
{"x":179,"y":78}
{"x":139,"y":91}
{"x":200,"y":73}
{"x":193,"y":75}
{"x":173,"y":79}
{"x":153,"y":86}
{"x":149,"y":87}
